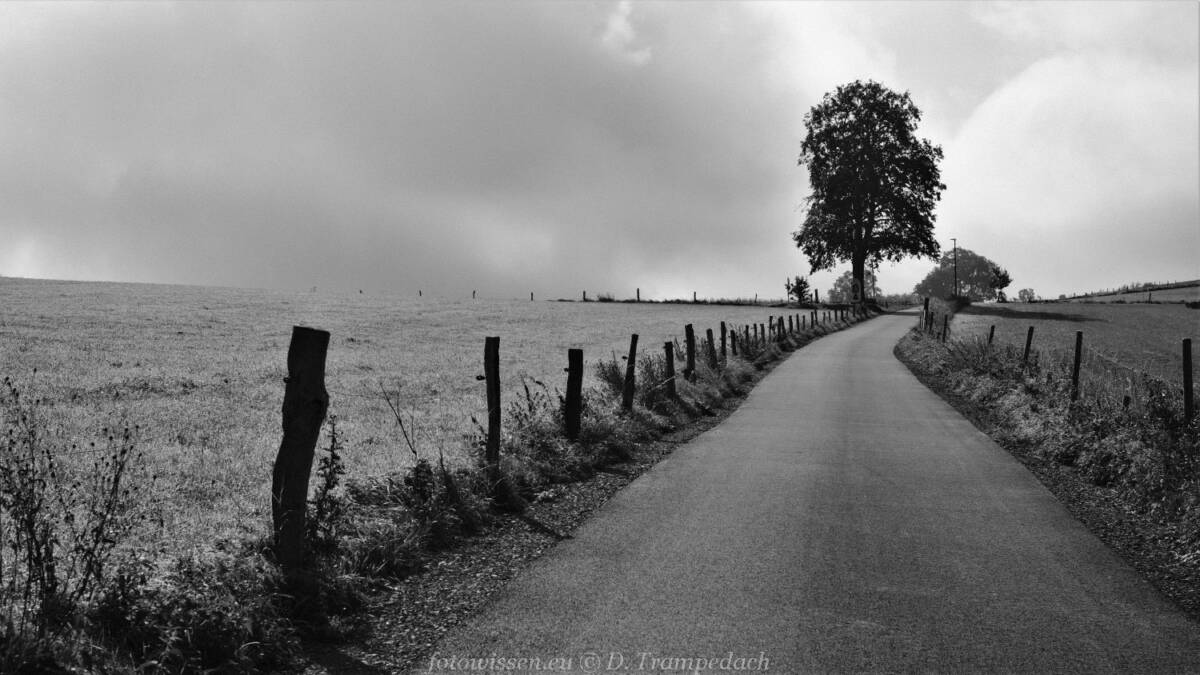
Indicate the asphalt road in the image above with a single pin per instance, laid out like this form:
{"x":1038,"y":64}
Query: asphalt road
{"x":844,"y":519}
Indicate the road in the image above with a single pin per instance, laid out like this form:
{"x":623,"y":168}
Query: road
{"x":844,"y":519}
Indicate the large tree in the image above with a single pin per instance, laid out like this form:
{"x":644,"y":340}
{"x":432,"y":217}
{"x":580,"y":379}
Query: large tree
{"x":977,"y":278}
{"x":874,"y":182}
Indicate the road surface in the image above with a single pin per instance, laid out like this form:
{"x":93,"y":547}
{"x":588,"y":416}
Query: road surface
{"x":844,"y":519}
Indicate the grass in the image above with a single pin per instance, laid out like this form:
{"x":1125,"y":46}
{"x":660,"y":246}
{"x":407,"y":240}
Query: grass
{"x":1119,"y":340}
{"x":201,"y":371}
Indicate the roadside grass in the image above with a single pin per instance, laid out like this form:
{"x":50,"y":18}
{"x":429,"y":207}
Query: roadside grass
{"x":1125,"y":435}
{"x":1123,"y":339}
{"x":191,"y":588}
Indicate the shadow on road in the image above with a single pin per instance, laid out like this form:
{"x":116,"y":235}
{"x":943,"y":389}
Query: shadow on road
{"x":1009,"y":313}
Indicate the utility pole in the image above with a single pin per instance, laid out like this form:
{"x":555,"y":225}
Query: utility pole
{"x":955,"y":240}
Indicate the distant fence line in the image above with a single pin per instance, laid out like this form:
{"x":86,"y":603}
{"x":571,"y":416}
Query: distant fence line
{"x":927,"y":321}
{"x":306,"y":403}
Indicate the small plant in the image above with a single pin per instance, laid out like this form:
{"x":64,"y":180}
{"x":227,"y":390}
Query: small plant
{"x":328,"y":508}
{"x":61,"y":520}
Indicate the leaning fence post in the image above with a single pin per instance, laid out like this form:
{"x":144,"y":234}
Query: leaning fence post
{"x":491,"y":375}
{"x":630,"y":374}
{"x":1189,"y":404}
{"x":1028,"y":343}
{"x":1075,"y":368}
{"x":991,"y":334}
{"x":712,"y":349}
{"x":669,"y":348}
{"x":690,"y":334}
{"x":573,"y":405}
{"x":723,"y":333}
{"x":305,"y":403}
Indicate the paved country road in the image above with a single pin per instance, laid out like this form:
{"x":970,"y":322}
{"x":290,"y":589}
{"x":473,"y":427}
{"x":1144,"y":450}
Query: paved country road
{"x":844,"y":519}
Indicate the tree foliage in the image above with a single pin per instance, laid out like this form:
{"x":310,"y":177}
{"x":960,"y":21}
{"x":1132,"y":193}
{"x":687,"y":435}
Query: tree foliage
{"x":977,"y":278}
{"x":843,"y":288}
{"x":797,"y":288}
{"x":1026,"y":295}
{"x":874,"y":182}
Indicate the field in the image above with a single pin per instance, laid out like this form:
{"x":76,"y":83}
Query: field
{"x":201,"y":371}
{"x":1182,"y":294}
{"x":1120,"y":339}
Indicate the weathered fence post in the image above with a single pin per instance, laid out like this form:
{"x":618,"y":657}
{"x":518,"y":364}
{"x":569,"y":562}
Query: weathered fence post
{"x":491,"y":375}
{"x":669,"y":348}
{"x":585,"y":296}
{"x":1075,"y":368}
{"x":305,"y":403}
{"x":693,"y":296}
{"x":573,"y":406}
{"x":791,"y":329}
{"x":712,"y":349}
{"x":630,"y":374}
{"x":991,"y":334}
{"x":945,"y":326}
{"x":733,"y":341}
{"x":723,"y":352}
{"x":746,"y":342}
{"x":1189,"y":404}
{"x":639,"y":295}
{"x":755,"y":332}
{"x":690,"y":334}
{"x":762,"y":328}
{"x":531,"y":296}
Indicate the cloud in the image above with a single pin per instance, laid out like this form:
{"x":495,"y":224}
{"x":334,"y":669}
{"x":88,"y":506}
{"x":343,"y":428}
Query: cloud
{"x":1084,"y":166}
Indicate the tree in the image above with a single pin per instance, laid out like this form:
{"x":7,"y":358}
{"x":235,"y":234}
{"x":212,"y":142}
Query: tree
{"x":1000,"y":281}
{"x":843,"y":288}
{"x":977,"y":278}
{"x":798,"y":288}
{"x":1026,"y":295}
{"x":874,"y":183}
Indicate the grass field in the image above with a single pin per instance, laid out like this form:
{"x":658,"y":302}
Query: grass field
{"x":1183,"y":294}
{"x":1117,"y":337}
{"x":201,"y":370}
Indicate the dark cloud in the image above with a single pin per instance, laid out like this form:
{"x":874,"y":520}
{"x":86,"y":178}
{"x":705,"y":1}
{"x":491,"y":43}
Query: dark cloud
{"x":449,"y":146}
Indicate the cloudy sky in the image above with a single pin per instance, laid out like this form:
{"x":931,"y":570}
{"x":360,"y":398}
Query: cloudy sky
{"x":555,"y":147}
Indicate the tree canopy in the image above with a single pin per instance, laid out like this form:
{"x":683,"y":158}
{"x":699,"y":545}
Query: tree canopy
{"x":874,"y":182}
{"x":843,"y":288}
{"x":978,"y":278}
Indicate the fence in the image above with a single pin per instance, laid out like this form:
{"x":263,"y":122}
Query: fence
{"x":928,"y":322}
{"x":306,"y":402}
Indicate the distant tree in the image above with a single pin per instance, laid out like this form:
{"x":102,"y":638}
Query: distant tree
{"x":798,"y":288}
{"x":874,"y":182}
{"x":975,"y":278}
{"x":1026,"y":295}
{"x":843,"y":288}
{"x":1000,"y":281}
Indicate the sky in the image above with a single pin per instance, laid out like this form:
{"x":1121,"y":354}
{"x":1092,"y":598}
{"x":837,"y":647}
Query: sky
{"x":516,"y":147}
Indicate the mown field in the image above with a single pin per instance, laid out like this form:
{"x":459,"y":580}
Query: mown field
{"x":1183,"y":294}
{"x":200,"y":371}
{"x":1120,"y":340}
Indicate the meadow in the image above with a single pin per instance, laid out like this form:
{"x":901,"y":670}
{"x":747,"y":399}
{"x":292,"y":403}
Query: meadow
{"x":200,"y":371}
{"x":1120,"y":340}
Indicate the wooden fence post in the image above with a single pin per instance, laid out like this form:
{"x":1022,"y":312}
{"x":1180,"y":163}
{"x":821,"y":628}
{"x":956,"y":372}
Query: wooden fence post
{"x":1189,"y":404}
{"x":630,"y":374}
{"x":1075,"y":368}
{"x":305,"y":403}
{"x":531,"y":296}
{"x":723,"y":352}
{"x":945,"y":326}
{"x":690,"y":334}
{"x":573,"y":406}
{"x":746,"y":342}
{"x":491,"y":375}
{"x":791,"y":329}
{"x":712,"y":349}
{"x":693,"y":296}
{"x":755,"y":332}
{"x":669,"y":348}
{"x":733,"y":342}
{"x":991,"y":334}
{"x":1028,"y":343}
{"x":639,"y":295}
{"x":763,"y":329}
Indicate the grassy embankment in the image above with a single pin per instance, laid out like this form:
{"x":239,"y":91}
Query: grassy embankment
{"x":196,"y":376}
{"x":1122,"y":455}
